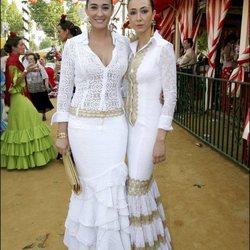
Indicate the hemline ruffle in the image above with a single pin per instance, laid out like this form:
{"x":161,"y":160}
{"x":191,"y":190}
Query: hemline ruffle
{"x":27,"y":148}
{"x":98,"y":217}
{"x":147,"y":221}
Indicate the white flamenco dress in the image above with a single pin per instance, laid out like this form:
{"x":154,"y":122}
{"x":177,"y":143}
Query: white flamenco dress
{"x":97,"y":129}
{"x":151,"y":70}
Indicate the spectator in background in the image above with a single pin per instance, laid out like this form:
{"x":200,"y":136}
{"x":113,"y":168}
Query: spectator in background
{"x":38,"y":84}
{"x":189,"y":58}
{"x":26,"y":142}
{"x":50,"y":72}
{"x":66,"y":29}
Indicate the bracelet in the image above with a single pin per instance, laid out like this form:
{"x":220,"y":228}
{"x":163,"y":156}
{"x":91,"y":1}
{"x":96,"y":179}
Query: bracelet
{"x":61,"y":135}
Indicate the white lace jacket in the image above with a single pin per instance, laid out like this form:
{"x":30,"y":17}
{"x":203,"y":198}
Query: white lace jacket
{"x":152,"y":69}
{"x":97,"y":87}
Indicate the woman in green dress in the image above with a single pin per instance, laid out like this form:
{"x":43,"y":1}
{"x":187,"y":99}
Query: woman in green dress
{"x":26,"y":142}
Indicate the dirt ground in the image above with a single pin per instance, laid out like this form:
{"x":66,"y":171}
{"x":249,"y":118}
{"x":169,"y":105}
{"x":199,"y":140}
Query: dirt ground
{"x":206,"y":200}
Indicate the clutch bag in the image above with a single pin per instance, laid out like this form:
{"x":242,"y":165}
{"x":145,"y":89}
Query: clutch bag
{"x":71,"y":173}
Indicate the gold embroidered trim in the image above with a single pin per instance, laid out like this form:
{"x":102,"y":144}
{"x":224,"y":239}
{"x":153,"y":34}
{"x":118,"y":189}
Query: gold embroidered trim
{"x":137,"y":187}
{"x":157,"y":243}
{"x":144,"y":219}
{"x":132,"y":99}
{"x":158,"y":201}
{"x":95,"y":113}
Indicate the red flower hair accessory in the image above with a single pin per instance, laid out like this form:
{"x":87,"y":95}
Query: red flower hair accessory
{"x":63,"y":18}
{"x":12,"y":34}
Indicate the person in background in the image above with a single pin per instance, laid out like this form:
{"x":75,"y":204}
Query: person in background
{"x":66,"y":29}
{"x":38,"y":84}
{"x":152,"y":69}
{"x":3,"y":123}
{"x":51,"y":74}
{"x":189,"y":58}
{"x":4,"y":56}
{"x":26,"y":142}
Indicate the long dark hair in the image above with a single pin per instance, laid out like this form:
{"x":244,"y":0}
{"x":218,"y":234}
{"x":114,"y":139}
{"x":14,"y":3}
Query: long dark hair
{"x":68,"y":25}
{"x":12,"y":41}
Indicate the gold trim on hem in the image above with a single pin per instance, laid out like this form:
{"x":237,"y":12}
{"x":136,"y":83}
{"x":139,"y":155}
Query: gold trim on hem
{"x":138,"y":187}
{"x":144,"y":219}
{"x":95,"y":113}
{"x":157,"y":243}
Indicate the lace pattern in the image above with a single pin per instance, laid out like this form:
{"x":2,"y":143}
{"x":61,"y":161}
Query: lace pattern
{"x":98,"y":87}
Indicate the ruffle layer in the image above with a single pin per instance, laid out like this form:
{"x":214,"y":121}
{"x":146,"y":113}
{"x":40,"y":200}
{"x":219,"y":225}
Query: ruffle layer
{"x":27,"y":148}
{"x":98,"y":217}
{"x":147,"y":221}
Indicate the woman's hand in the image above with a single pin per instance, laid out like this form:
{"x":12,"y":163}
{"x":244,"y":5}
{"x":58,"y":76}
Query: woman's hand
{"x":62,"y":145}
{"x":32,"y":68}
{"x":159,"y":151}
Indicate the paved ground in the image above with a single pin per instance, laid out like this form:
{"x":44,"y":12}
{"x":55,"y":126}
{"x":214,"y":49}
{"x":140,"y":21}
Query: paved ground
{"x":206,"y":199}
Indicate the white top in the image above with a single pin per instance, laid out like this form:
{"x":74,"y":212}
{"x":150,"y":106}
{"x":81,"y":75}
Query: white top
{"x":97,"y":87}
{"x":152,"y":70}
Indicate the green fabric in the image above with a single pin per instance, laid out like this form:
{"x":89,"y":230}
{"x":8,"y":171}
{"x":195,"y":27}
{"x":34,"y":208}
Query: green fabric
{"x":16,"y":88}
{"x":26,"y":142}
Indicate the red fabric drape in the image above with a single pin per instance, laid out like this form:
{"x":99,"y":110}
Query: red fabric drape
{"x":215,"y":13}
{"x":187,"y":27}
{"x":168,"y":23}
{"x":13,"y":59}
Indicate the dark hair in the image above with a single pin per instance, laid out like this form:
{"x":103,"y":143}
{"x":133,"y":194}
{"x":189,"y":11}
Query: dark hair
{"x":12,"y":41}
{"x":3,"y":53}
{"x":68,"y":25}
{"x":87,"y":3}
{"x":190,"y":41}
{"x":37,"y":56}
{"x":151,"y":3}
{"x":34,"y":55}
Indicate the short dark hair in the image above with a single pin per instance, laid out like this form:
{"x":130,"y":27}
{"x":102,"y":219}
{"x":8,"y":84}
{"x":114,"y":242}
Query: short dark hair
{"x":190,"y":41}
{"x":12,"y":41}
{"x":34,"y":55}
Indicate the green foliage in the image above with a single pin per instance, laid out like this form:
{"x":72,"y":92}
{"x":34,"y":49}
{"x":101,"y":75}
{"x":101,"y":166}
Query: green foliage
{"x":4,"y":6}
{"x":46,"y":43}
{"x":202,"y":42}
{"x":47,"y":16}
{"x":33,"y":46}
{"x":13,"y":17}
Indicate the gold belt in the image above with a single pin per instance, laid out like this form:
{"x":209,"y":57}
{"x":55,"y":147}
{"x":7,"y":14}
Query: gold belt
{"x":95,"y":113}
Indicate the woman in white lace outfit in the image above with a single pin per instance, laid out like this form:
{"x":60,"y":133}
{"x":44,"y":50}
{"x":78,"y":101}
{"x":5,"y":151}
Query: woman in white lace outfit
{"x":151,"y":70}
{"x":93,"y":124}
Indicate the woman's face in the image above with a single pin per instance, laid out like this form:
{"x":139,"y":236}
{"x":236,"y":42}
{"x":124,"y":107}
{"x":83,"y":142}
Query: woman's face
{"x":63,"y":35}
{"x":20,"y":48}
{"x":99,"y":13}
{"x":140,"y":15}
{"x":31,"y":59}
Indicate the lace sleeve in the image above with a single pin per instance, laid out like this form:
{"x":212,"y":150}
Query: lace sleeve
{"x":66,"y":84}
{"x":168,"y":78}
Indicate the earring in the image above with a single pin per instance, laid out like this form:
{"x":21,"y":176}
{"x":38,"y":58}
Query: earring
{"x":88,"y":24}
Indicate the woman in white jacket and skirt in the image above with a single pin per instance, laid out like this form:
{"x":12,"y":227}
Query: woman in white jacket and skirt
{"x":152,"y":70}
{"x":93,"y":125}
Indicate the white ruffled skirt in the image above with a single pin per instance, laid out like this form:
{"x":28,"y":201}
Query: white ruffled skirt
{"x":98,"y":217}
{"x":147,"y":220}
